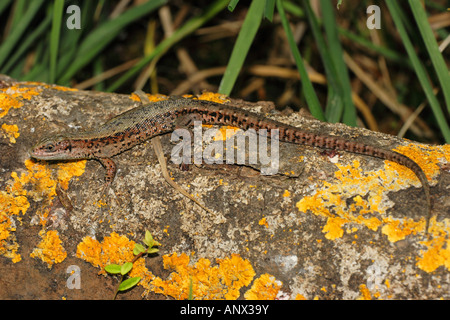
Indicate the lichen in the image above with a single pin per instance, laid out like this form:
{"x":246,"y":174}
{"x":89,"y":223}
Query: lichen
{"x":207,"y":282}
{"x":368,"y":193}
{"x":49,"y":250}
{"x":266,"y":287}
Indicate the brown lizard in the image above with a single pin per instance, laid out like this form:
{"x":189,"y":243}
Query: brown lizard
{"x":147,"y":121}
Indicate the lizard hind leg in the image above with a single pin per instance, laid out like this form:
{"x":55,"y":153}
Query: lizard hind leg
{"x":111,"y":170}
{"x":180,"y":122}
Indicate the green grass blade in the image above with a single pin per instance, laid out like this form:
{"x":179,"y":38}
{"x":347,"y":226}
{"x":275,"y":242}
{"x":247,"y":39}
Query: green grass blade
{"x":384,"y":51}
{"x":189,"y":27}
{"x":308,"y":89}
{"x":337,"y":57}
{"x":13,"y":38}
{"x":335,"y":104}
{"x":241,"y":47}
{"x":99,"y":38}
{"x":54,"y":37}
{"x":232,"y":4}
{"x":268,"y":10}
{"x":433,"y":50}
{"x":11,"y":64}
{"x":419,"y":70}
{"x":4,"y":4}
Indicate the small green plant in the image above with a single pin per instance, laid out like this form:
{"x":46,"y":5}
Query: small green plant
{"x":139,"y":250}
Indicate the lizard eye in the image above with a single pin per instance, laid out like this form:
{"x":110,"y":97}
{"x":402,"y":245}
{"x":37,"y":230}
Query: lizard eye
{"x":49,"y":147}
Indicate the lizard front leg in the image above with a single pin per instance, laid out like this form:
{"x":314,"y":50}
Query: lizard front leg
{"x":111,"y":170}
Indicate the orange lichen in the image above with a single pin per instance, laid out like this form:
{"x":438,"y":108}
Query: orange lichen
{"x":10,"y":132}
{"x":151,"y":97}
{"x":7,"y":102}
{"x":368,"y":192}
{"x":438,"y":252}
{"x":263,"y":222}
{"x":49,"y":250}
{"x":428,"y":161}
{"x":61,"y":88}
{"x":66,"y":171}
{"x":333,"y":228}
{"x":365,"y":293}
{"x":11,"y":97}
{"x":114,"y":249}
{"x":14,"y":199}
{"x":266,"y":287}
{"x":398,"y":230}
{"x":218,"y":282}
{"x":214,"y":97}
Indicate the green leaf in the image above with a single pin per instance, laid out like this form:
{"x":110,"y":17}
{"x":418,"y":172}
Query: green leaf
{"x":129,"y":283}
{"x":138,"y":248}
{"x":152,"y":250}
{"x":126,"y":267}
{"x":113,"y":268}
{"x":148,"y":240}
{"x":156,"y":243}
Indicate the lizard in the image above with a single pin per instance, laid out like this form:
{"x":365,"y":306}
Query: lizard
{"x":144,"y":122}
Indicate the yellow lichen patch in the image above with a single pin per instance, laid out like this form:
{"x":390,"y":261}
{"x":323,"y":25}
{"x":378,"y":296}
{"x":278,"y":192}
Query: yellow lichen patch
{"x":224,"y":132}
{"x":11,"y":97}
{"x":214,"y":97}
{"x":428,"y":161}
{"x":266,"y":287}
{"x":10,"y":132}
{"x":14,"y":199}
{"x":8,"y":244}
{"x":398,"y":230}
{"x":263,"y":222}
{"x":61,"y":88}
{"x":67,"y":171}
{"x":114,"y":249}
{"x":151,"y":97}
{"x":49,"y":250}
{"x":333,"y":228}
{"x":365,"y":293}
{"x":7,"y":102}
{"x":438,"y":252}
{"x":44,"y":186}
{"x":40,"y":176}
{"x":368,"y":191}
{"x":206,"y":282}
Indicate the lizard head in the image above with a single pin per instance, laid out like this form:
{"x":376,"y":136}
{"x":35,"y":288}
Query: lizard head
{"x":53,"y":148}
